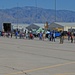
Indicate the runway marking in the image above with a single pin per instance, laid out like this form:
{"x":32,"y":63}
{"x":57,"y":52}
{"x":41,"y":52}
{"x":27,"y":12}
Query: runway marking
{"x":37,"y":69}
{"x":66,"y":74}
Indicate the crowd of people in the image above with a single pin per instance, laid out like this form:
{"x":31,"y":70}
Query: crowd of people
{"x":42,"y":35}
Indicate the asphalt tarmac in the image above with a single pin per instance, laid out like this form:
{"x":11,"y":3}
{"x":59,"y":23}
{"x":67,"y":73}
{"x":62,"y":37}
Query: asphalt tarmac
{"x":36,"y":57}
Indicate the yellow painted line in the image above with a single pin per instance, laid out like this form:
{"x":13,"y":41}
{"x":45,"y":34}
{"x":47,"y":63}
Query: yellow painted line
{"x":66,"y":74}
{"x":37,"y":69}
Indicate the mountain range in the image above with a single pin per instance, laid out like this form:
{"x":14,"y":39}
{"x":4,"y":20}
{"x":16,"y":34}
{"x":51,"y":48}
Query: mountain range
{"x":30,"y":14}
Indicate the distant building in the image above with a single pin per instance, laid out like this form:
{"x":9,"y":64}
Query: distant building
{"x":32,"y":26}
{"x":7,"y":26}
{"x":65,"y":26}
{"x":19,"y":26}
{"x":41,"y":25}
{"x":35,"y":26}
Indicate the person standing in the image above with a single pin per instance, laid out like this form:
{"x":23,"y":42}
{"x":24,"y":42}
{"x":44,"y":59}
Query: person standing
{"x":71,"y":37}
{"x":69,"y":34}
{"x":11,"y":34}
{"x":61,"y":37}
{"x":43,"y":35}
{"x":54,"y":36}
{"x":49,"y":36}
{"x":40,"y":35}
{"x":16,"y":34}
{"x":74,"y":36}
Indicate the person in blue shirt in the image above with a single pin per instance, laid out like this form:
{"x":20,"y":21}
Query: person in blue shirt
{"x":16,"y":34}
{"x":40,"y":36}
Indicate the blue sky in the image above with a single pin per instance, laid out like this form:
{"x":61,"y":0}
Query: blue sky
{"x":48,"y":4}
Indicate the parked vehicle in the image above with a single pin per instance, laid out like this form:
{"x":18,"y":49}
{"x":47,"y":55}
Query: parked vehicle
{"x":57,"y":34}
